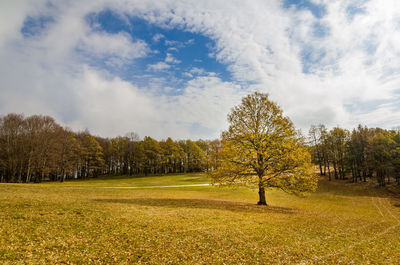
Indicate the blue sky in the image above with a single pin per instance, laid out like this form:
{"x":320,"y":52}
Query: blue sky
{"x":176,"y":68}
{"x":318,"y":10}
{"x":186,"y":54}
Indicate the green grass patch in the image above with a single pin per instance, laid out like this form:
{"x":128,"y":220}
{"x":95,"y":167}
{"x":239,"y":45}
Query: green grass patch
{"x":134,"y":181}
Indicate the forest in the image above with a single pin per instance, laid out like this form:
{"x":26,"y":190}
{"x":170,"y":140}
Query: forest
{"x":36,"y":148}
{"x":359,"y":155}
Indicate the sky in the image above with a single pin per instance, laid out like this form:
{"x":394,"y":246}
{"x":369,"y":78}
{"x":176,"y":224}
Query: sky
{"x":176,"y":67}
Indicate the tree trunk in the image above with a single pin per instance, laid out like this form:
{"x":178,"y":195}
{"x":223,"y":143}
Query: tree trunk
{"x":62,"y":178}
{"x":28,"y":174}
{"x":320,"y":167}
{"x":335,"y":169}
{"x":261,"y":193}
{"x":329,"y":172}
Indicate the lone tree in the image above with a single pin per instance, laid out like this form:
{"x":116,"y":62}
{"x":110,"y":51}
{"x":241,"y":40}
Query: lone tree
{"x":262,"y":148}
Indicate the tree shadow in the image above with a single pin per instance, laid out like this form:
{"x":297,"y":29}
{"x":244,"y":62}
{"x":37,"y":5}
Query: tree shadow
{"x":202,"y":204}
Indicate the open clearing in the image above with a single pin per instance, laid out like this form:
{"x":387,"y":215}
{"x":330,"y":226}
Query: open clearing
{"x":81,"y":222}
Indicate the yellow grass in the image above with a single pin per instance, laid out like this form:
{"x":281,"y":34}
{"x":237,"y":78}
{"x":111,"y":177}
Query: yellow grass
{"x":81,"y":222}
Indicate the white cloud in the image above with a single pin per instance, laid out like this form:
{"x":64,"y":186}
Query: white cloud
{"x":197,"y":71}
{"x":173,"y":43}
{"x":172,"y":49}
{"x":157,"y":37}
{"x":160,"y":66}
{"x":116,"y":45}
{"x":187,"y":74}
{"x":112,"y":107}
{"x":189,"y":42}
{"x":13,"y":15}
{"x":356,"y":62}
{"x":170,"y":59}
{"x":268,"y":51}
{"x":390,"y":111}
{"x":204,"y":101}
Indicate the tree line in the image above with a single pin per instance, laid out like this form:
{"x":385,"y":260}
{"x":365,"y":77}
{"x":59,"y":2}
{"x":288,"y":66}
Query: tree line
{"x":359,"y":155}
{"x":36,"y":148}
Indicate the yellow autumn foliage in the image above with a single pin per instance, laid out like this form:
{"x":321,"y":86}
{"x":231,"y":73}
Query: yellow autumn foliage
{"x":262,"y":148}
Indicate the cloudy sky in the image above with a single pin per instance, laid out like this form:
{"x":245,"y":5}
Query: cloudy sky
{"x":175,"y":68}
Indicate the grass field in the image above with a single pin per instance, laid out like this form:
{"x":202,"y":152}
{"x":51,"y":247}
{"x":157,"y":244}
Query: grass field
{"x":84,"y":222}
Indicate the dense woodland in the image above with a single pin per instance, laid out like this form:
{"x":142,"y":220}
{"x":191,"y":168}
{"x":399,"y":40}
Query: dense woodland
{"x":360,"y":155}
{"x":36,"y":148}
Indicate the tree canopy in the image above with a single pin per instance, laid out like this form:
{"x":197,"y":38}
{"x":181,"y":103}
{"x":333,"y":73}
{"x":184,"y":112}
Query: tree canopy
{"x":261,"y":148}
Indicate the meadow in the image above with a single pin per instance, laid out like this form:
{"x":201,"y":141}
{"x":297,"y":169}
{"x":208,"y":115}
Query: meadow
{"x":101,"y":221}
